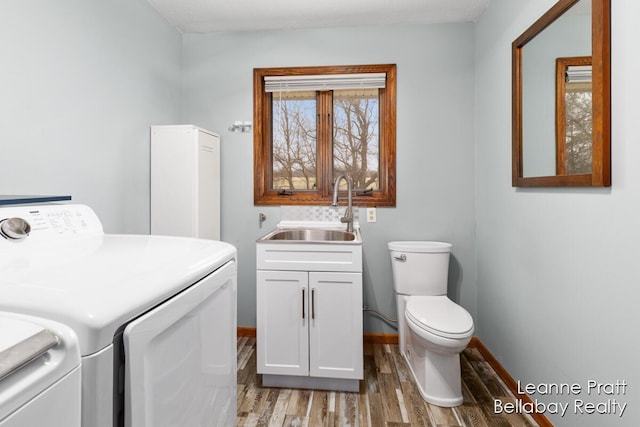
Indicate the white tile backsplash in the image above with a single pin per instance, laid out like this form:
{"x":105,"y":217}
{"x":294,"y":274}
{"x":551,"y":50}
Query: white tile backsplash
{"x":315,"y":213}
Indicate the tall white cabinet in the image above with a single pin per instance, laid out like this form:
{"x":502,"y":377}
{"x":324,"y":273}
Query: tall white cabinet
{"x":185,"y":182}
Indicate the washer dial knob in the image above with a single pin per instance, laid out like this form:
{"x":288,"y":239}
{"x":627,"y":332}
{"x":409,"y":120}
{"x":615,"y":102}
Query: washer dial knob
{"x":14,"y":228}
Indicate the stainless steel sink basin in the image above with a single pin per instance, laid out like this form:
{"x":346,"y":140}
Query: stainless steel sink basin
{"x":312,"y":236}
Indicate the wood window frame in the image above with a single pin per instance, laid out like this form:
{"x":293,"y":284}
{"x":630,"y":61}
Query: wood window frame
{"x":264,"y":195}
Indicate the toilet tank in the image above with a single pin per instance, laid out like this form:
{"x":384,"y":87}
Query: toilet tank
{"x":420,"y":267}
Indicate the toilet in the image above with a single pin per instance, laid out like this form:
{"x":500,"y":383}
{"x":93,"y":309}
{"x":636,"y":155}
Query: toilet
{"x":433,"y":330}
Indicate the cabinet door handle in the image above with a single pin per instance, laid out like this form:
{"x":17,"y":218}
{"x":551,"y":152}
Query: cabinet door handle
{"x":302,"y":303}
{"x":313,"y":303}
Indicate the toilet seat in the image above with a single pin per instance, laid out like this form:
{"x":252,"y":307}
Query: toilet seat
{"x":439,"y":316}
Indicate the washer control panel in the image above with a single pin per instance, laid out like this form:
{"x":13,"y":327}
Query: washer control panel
{"x":45,"y":222}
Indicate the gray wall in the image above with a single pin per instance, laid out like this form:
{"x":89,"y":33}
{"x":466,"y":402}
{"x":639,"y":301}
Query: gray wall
{"x":435,"y":163}
{"x":81,"y":81}
{"x":557,"y":268}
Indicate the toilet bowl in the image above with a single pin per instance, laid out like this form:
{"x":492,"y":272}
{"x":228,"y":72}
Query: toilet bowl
{"x":433,"y":330}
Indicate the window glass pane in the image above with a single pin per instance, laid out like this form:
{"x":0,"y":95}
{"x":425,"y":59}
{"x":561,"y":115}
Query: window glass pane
{"x":356,"y":141}
{"x":294,"y":147}
{"x":578,"y":127}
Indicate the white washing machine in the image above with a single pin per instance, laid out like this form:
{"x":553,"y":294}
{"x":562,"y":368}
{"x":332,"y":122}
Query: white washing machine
{"x":39,"y":373}
{"x":155,"y":316}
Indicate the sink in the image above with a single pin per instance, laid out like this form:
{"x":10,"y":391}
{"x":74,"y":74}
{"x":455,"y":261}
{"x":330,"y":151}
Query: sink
{"x":312,"y":236}
{"x":310,"y":248}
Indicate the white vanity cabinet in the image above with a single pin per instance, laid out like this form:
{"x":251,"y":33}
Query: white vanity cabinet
{"x":309,"y":315}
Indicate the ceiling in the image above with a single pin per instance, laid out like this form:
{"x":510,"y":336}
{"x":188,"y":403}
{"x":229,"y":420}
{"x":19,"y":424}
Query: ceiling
{"x":206,"y":16}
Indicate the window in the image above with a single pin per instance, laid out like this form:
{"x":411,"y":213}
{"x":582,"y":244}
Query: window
{"x":574,"y":116}
{"x":313,"y":123}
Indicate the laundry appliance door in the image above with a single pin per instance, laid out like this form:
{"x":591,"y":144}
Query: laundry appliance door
{"x":180,"y":367}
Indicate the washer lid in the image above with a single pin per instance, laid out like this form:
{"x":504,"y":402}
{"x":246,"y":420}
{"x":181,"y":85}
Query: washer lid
{"x":439,"y":315}
{"x":39,"y":364}
{"x":21,"y":342}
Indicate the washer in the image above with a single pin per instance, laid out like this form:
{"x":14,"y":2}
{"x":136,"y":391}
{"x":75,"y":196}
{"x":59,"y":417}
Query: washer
{"x":39,"y":372}
{"x":155,"y":316}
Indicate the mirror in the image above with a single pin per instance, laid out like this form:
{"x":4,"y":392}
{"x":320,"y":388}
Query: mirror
{"x":561,"y":98}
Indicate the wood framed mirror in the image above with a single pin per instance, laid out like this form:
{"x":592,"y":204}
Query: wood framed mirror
{"x":550,"y":147}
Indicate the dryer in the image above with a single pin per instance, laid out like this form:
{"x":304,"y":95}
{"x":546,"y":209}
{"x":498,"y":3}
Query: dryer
{"x":155,"y":316}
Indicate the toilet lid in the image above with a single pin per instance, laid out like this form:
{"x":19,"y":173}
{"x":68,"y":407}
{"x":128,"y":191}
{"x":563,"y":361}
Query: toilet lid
{"x":439,"y":315}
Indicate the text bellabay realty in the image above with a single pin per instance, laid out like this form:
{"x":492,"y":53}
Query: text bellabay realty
{"x":607,"y":404}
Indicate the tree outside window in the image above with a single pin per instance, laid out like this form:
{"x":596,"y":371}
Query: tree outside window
{"x":574,"y":116}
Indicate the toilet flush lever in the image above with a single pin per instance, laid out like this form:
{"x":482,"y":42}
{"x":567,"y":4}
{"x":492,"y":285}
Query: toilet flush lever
{"x":401,"y":258}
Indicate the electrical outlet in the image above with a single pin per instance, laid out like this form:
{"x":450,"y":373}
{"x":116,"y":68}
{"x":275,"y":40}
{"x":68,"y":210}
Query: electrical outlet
{"x":371,"y":214}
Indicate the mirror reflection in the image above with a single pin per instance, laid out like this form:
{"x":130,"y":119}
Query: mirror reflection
{"x":574,"y":115}
{"x":568,"y":36}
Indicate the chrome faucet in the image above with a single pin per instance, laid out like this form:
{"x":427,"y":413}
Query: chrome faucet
{"x":348,"y":213}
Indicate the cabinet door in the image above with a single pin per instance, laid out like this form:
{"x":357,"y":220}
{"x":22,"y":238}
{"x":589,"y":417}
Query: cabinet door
{"x":335,"y":331}
{"x":282,"y":343}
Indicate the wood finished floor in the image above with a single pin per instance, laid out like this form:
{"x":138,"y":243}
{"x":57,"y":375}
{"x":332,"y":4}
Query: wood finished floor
{"x":388,"y":396}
